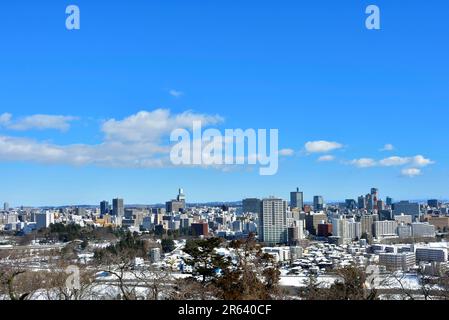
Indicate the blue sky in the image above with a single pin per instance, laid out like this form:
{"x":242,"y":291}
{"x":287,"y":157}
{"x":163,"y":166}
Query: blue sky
{"x":308,"y":68}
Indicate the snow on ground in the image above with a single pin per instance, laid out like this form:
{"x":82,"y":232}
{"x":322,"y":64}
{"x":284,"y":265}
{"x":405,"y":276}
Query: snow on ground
{"x":301,"y":280}
{"x":409,"y":281}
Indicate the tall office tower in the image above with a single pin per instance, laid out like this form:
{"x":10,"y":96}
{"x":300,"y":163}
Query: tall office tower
{"x":361,"y":203}
{"x":369,"y":202}
{"x":174,"y":206}
{"x":104,"y":207}
{"x":6,"y":206}
{"x":296,"y":199}
{"x":181,"y":197}
{"x":273,"y":221}
{"x":251,"y":205}
{"x":318,"y":203}
{"x":375,"y":197}
{"x":406,"y":207}
{"x":389,"y":201}
{"x":367,"y":223}
{"x":380,"y":205}
{"x":118,"y":209}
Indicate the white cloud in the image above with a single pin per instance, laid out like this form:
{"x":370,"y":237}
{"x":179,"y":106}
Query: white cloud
{"x":363,"y":162}
{"x":411,"y":172}
{"x":326,"y":158}
{"x":413,"y":164}
{"x":37,"y":121}
{"x":151,"y":126}
{"x":420,"y":161}
{"x":5,"y":118}
{"x":286,"y":152}
{"x":176,"y":93}
{"x":125,"y":143}
{"x":387,"y":147}
{"x":394,"y":161}
{"x":110,"y":154}
{"x":417,"y":161}
{"x":322,"y":146}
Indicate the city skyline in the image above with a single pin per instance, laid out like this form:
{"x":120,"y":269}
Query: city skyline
{"x":108,"y":202}
{"x":86,"y":115}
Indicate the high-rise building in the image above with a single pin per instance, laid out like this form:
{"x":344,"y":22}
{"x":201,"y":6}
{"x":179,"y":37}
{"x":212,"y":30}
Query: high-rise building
{"x":423,"y":230}
{"x":367,"y":223}
{"x":178,"y":204}
{"x":375,"y":197}
{"x":408,"y":208}
{"x":104,"y":207}
{"x":318,"y":203}
{"x":181,"y":197}
{"x":6,"y":206}
{"x":433,"y":203}
{"x":118,"y":208}
{"x":346,"y":230}
{"x":404,"y":231}
{"x":339,"y":228}
{"x":174,"y":206}
{"x":430,"y":254}
{"x":361,"y":202}
{"x":369,"y":200}
{"x":380,"y":205}
{"x":385,"y":228}
{"x":200,"y":229}
{"x":397,"y":261}
{"x":313,"y":220}
{"x":251,"y":205}
{"x":273,"y":221}
{"x":297,"y":199}
{"x":44,"y":219}
{"x":389,"y":201}
{"x":385,"y":215}
{"x":350,"y":204}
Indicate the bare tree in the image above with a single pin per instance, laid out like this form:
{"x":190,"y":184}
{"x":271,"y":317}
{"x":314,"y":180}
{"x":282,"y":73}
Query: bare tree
{"x":157,"y":281}
{"x":16,"y":281}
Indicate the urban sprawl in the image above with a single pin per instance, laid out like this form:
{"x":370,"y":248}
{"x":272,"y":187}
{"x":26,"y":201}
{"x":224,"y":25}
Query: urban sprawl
{"x":269,"y":248}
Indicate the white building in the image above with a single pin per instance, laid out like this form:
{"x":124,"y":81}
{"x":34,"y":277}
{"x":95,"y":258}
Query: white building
{"x":423,"y":230}
{"x":354,"y":229}
{"x":403,"y":218}
{"x":404,"y":231}
{"x":397,"y":261}
{"x":385,"y":228}
{"x":273,"y":221}
{"x":280,"y":254}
